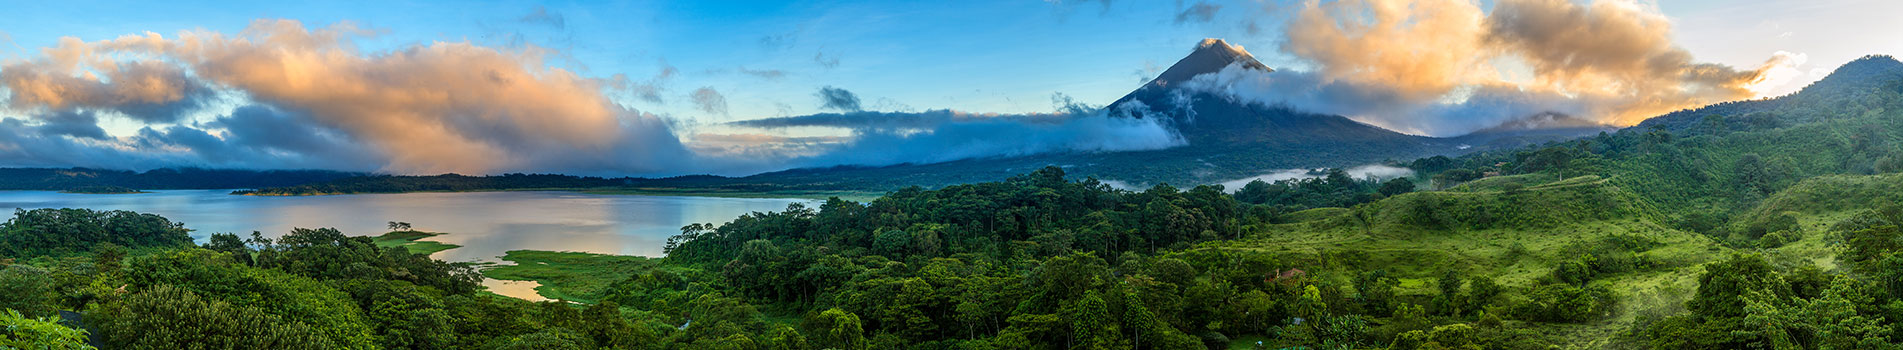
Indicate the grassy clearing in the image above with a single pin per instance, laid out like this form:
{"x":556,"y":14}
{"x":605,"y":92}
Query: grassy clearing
{"x":1516,"y":230}
{"x":1497,"y":183}
{"x":572,"y":276}
{"x":414,"y":241}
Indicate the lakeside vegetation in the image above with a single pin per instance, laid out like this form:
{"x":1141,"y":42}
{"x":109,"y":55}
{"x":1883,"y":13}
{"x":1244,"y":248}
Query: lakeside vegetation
{"x":412,"y":240}
{"x":1775,"y":228}
{"x":101,"y":190}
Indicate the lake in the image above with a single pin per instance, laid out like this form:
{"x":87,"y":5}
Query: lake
{"x":486,"y":224}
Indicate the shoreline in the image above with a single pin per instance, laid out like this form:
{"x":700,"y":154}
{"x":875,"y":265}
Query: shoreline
{"x":857,"y":196}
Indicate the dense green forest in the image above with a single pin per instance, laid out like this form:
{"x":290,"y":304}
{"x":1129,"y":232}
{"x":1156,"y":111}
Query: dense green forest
{"x":1767,"y":224}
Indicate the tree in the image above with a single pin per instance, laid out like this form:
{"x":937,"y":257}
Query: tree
{"x":1091,"y":325}
{"x":1255,"y":192}
{"x":1377,"y":292}
{"x":1448,"y":302}
{"x":399,"y":226}
{"x":835,"y":329}
{"x":892,"y":242}
{"x":1753,"y":175}
{"x":67,"y":231}
{"x":1397,"y":186}
{"x":230,"y":243}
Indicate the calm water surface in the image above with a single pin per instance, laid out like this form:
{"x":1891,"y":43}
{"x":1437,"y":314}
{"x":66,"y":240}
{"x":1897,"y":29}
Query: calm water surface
{"x":486,"y":224}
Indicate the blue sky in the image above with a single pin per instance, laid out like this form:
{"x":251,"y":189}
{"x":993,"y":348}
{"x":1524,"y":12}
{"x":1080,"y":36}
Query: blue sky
{"x":769,"y":58}
{"x":987,"y":56}
{"x":983,"y":56}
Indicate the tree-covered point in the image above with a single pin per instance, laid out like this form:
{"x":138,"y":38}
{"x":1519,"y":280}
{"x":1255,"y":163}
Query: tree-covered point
{"x":65,"y":231}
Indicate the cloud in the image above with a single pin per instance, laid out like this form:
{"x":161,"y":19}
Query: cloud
{"x":1065,"y":7}
{"x":777,"y":42}
{"x":264,"y":129}
{"x":542,"y":16}
{"x":837,"y":99}
{"x":72,"y":75}
{"x":886,"y":138}
{"x":439,"y":107}
{"x":828,"y":62}
{"x":892,"y":121}
{"x":1200,"y":12}
{"x":768,"y":74}
{"x":774,"y":149}
{"x":649,"y":90}
{"x":710,"y":101}
{"x":75,"y":123}
{"x":998,"y":137}
{"x":1370,"y":171}
{"x":1445,"y":67}
{"x":24,"y":144}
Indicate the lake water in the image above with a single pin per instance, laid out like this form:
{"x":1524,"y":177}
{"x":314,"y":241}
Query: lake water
{"x":486,"y":224}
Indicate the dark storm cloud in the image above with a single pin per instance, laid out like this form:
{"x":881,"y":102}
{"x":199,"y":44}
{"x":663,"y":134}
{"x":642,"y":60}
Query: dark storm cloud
{"x":80,"y":124}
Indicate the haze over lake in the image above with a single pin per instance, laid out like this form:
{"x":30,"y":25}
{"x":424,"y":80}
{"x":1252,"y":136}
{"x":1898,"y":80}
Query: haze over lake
{"x":486,"y":224}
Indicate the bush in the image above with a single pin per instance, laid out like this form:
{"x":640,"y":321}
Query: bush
{"x":166,"y":317}
{"x":26,"y":289}
{"x":216,"y":276}
{"x":1565,"y":303}
{"x":1778,"y":239}
{"x":20,"y":332}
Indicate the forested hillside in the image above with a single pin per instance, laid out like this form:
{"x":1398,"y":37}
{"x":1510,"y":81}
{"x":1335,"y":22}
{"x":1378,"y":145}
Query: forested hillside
{"x":120,"y":181}
{"x":1774,"y":229}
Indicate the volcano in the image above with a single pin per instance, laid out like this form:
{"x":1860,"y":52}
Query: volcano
{"x":1225,"y":138}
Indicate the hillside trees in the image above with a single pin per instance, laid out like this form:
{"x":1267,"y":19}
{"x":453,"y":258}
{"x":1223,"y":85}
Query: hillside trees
{"x":67,"y":231}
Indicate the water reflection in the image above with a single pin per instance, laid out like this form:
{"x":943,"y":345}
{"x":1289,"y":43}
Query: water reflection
{"x":486,"y":224}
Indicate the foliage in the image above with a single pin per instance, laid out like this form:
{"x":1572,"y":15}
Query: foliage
{"x":166,"y":318}
{"x":21,"y":332}
{"x":66,"y":231}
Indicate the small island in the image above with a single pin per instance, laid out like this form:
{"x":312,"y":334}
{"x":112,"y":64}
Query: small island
{"x":102,"y":189}
{"x":414,"y":241}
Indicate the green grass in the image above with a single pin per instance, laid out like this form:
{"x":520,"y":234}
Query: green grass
{"x":1818,"y":203}
{"x":1514,"y":234}
{"x":572,"y":276}
{"x":414,"y":241}
{"x":1831,"y":193}
{"x":1496,"y":183}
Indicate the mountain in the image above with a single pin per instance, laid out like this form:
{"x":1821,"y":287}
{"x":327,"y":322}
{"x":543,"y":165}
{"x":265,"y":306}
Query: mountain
{"x":1226,"y":139}
{"x":1210,"y":56}
{"x":69,"y":179}
{"x":1533,"y":129}
{"x":1850,"y":90}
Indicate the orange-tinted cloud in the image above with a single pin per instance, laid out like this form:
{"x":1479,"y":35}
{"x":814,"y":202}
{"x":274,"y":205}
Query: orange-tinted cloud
{"x":440,"y":107}
{"x":1611,"y":60}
